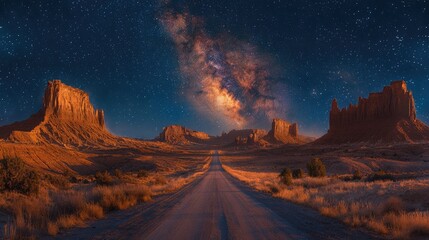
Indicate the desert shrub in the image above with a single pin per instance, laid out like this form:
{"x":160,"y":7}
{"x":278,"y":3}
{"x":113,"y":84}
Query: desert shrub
{"x":142,"y":173}
{"x":316,"y":168}
{"x":120,"y":197}
{"x":103,"y":178}
{"x":274,"y":189}
{"x":298,"y":173}
{"x":286,"y":176}
{"x":380,"y":176}
{"x":58,"y":181}
{"x":118,"y":173}
{"x":357,"y":175}
{"x":67,"y":203}
{"x":16,"y":176}
{"x":74,"y":179}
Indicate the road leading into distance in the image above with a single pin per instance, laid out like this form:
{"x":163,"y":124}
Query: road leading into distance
{"x":217,"y":206}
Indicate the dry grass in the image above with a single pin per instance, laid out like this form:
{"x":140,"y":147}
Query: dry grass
{"x":51,"y":211}
{"x":55,"y":209}
{"x":378,"y":206}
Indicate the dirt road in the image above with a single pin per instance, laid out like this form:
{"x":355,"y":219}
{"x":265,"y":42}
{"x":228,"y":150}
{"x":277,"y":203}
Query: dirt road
{"x":217,"y":207}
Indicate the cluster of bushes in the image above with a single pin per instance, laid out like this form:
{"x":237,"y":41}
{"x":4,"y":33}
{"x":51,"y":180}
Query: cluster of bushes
{"x":18,"y":177}
{"x":106,"y":178}
{"x":103,"y":178}
{"x":379,"y":175}
{"x":59,"y":181}
{"x":315,"y":168}
{"x":287,"y":175}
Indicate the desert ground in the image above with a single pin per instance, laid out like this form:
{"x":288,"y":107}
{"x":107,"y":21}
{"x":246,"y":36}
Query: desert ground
{"x":217,"y":206}
{"x":77,"y":186}
{"x":380,"y":188}
{"x":197,"y":192}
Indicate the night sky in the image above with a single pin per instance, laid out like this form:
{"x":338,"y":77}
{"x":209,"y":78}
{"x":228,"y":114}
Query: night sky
{"x":211,"y":65}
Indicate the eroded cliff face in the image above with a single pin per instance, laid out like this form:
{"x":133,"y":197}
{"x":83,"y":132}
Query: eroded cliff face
{"x":387,"y":116}
{"x":283,"y":132}
{"x":244,"y":136}
{"x":395,"y":102}
{"x":70,"y":104}
{"x":176,"y":134}
{"x":66,"y":118}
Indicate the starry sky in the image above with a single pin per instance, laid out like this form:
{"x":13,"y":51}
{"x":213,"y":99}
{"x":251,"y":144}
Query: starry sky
{"x":211,"y":65}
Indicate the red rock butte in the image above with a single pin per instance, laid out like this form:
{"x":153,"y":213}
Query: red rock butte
{"x":387,"y":116}
{"x":176,"y":134}
{"x":67,"y":117}
{"x":283,"y":132}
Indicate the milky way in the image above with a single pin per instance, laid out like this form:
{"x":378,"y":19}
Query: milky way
{"x":226,"y":79}
{"x":136,"y":59}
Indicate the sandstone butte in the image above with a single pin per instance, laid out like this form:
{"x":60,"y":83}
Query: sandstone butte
{"x":281,"y":132}
{"x":384,"y":117}
{"x":69,"y":134}
{"x":66,"y":118}
{"x":180,"y":135}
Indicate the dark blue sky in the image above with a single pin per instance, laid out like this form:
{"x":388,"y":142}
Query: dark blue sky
{"x":120,"y":54}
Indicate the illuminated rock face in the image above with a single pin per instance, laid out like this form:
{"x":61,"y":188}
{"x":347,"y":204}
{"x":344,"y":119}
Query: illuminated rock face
{"x":394,"y":102}
{"x":70,"y":104}
{"x":66,"y":118}
{"x":283,"y":132}
{"x":176,"y":134}
{"x":387,"y":116}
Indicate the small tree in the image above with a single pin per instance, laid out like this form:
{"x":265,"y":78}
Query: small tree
{"x":286,"y":176}
{"x":16,"y":176}
{"x":316,"y":168}
{"x":298,"y":173}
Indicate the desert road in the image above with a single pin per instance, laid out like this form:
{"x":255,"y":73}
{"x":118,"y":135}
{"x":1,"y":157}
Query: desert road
{"x":217,"y":206}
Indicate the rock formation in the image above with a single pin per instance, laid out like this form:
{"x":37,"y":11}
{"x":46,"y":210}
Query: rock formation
{"x":176,"y":134}
{"x":66,"y":118}
{"x":387,"y":116}
{"x":241,"y":140}
{"x":243,"y":136}
{"x":283,"y":132}
{"x":70,"y":104}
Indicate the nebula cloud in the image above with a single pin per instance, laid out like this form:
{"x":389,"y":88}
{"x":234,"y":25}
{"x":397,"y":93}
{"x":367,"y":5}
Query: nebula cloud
{"x":226,"y":79}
